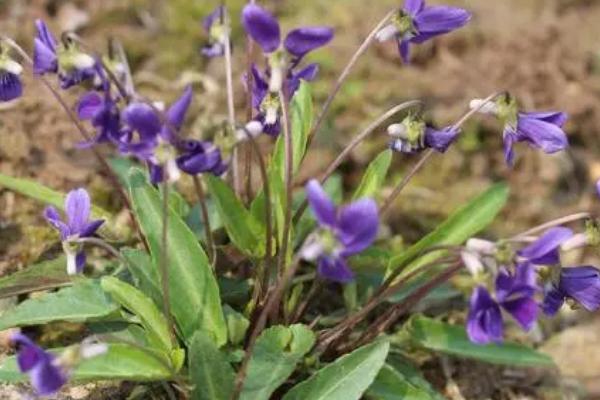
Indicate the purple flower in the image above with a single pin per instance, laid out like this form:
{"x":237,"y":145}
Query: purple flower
{"x":545,"y":250}
{"x":344,"y":232}
{"x":45,"y":374}
{"x":197,"y":157}
{"x":542,"y":130}
{"x":76,"y":226}
{"x":581,"y":284}
{"x":10,"y":77}
{"x":412,"y":136}
{"x":415,"y":24}
{"x":267,"y":104}
{"x":264,"y":29}
{"x":218,"y":32}
{"x":72,"y":66}
{"x":514,"y":294}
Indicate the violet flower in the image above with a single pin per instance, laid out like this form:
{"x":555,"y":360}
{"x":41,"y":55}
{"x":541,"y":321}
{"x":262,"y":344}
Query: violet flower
{"x":77,"y":226}
{"x":49,"y":57}
{"x":10,"y":76}
{"x":267,"y":103}
{"x":218,"y":32}
{"x":412,"y":135}
{"x":415,"y":23}
{"x":546,"y":249}
{"x":343,"y":232}
{"x":581,"y":284}
{"x":46,"y":376}
{"x":542,"y":130}
{"x":264,"y":29}
{"x":514,"y":294}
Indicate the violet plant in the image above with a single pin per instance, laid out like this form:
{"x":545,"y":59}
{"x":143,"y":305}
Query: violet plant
{"x":294,"y":316}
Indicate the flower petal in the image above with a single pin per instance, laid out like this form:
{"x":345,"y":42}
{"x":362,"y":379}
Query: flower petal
{"x":77,"y":208}
{"x":358,"y":224}
{"x":322,"y":207}
{"x":44,"y":58}
{"x":10,"y":86}
{"x":509,"y":140}
{"x":91,"y":228}
{"x":544,"y":250}
{"x":301,"y":41}
{"x":440,"y":140}
{"x":176,"y":113}
{"x":583,"y":285}
{"x":213,"y":17}
{"x":440,"y":19}
{"x":404,"y":50}
{"x":334,"y":269}
{"x":524,"y":310}
{"x":553,"y":301}
{"x":541,"y":134}
{"x":262,"y":27}
{"x":307,"y":73}
{"x":29,"y":354}
{"x":142,"y":118}
{"x":484,"y":322}
{"x":53,"y":217}
{"x":413,"y":7}
{"x":89,"y":105}
{"x":47,"y":378}
{"x":554,"y":117}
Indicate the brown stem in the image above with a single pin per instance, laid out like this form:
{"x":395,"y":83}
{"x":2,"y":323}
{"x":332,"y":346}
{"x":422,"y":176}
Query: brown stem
{"x":342,"y":78}
{"x":210,"y":243}
{"x":288,"y":178}
{"x":387,"y":319}
{"x":355,"y":142}
{"x":302,"y":307}
{"x":272,"y":302}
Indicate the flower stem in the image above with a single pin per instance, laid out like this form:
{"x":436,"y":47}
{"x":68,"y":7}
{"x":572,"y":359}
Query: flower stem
{"x":386,"y":206}
{"x":210,"y":243}
{"x":288,"y":178}
{"x":356,"y":141}
{"x":345,"y":72}
{"x":231,"y":115}
{"x":550,"y":224}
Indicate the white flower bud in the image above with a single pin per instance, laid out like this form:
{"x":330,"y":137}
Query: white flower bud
{"x":11,"y":66}
{"x":83,"y":61}
{"x":480,"y":246}
{"x":386,"y":33}
{"x":397,"y":131}
{"x":483,"y":107}
{"x":472,"y":262}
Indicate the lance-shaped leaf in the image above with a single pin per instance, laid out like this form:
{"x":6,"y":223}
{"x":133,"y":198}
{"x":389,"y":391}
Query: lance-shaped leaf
{"x":81,"y":302}
{"x":194,"y":294}
{"x":347,"y":378}
{"x":460,"y":226}
{"x":374,"y":176}
{"x":212,"y":376}
{"x":154,"y":322}
{"x":392,"y":384}
{"x":243,"y":228}
{"x":120,"y":362}
{"x":43,"y":276}
{"x":276,"y":353}
{"x":451,"y":339}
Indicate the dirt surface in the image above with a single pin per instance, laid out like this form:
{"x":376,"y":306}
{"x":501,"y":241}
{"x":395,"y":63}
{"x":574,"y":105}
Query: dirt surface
{"x":546,"y":52}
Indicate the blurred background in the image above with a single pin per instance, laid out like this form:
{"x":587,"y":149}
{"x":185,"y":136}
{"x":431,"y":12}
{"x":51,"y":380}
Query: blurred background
{"x":545,"y":52}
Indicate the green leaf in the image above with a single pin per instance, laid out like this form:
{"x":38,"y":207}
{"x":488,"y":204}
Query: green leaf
{"x":137,"y":303}
{"x":211,"y":374}
{"x":442,"y":337}
{"x":347,"y":378}
{"x":120,"y":362}
{"x":276,"y":353}
{"x":44,"y":194}
{"x":81,"y":302}
{"x":194,"y":294}
{"x":43,"y":276}
{"x":143,"y":272}
{"x":375,"y":175}
{"x":390,"y":384}
{"x":242,"y":227}
{"x":460,"y":226}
